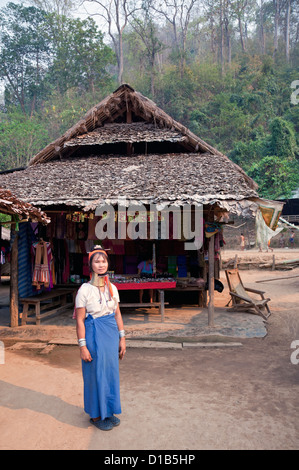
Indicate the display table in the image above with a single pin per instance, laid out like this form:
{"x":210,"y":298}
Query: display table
{"x":144,"y":285}
{"x":43,"y":308}
{"x":160,"y":286}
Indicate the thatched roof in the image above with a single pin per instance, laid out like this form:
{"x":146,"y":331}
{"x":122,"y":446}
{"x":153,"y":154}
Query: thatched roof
{"x":123,"y":132}
{"x":166,"y":161}
{"x":82,"y":182}
{"x":11,"y":205}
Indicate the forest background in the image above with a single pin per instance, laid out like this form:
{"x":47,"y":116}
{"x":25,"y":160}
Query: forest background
{"x":227,"y":69}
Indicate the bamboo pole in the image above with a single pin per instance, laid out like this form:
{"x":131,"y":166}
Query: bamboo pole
{"x":14,"y":295}
{"x":211,"y":309}
{"x":277,"y":278}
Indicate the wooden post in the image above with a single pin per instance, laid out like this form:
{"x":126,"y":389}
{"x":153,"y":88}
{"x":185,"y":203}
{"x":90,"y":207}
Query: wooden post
{"x":211,"y":280}
{"x":14,"y":294}
{"x":161,"y":299}
{"x":129,"y":121}
{"x":236,"y":262}
{"x":273,"y":263}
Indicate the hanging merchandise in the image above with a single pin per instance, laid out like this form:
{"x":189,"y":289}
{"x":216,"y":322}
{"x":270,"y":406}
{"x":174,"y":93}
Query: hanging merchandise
{"x":85,"y":267}
{"x":42,"y":265}
{"x":2,"y":254}
{"x":182,"y":266}
{"x":92,"y":222}
{"x":263,"y":232}
{"x":71,"y":233}
{"x":172,"y":265}
{"x":66,"y":271}
{"x":25,"y":239}
{"x":82,"y":229}
{"x":211,"y":228}
{"x":51,"y":228}
{"x":60,"y":226}
{"x":271,"y":211}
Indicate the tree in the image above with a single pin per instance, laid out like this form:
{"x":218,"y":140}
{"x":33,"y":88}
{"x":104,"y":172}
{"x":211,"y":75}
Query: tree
{"x":60,"y":7}
{"x":80,"y":56}
{"x":20,"y":138}
{"x":24,"y":55}
{"x":242,"y":11}
{"x":276,"y":177}
{"x":146,"y":29}
{"x":43,"y":51}
{"x":283,"y":140}
{"x":276,"y":5}
{"x":116,"y":14}
{"x":178,"y":14}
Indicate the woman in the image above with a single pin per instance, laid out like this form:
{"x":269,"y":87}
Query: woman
{"x":145,"y":267}
{"x":242,"y":242}
{"x":292,"y":238}
{"x":101,"y":340}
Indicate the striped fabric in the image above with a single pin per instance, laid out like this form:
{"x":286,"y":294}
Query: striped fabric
{"x":24,"y":260}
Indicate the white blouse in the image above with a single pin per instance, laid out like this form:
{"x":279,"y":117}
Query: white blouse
{"x":97,"y":303}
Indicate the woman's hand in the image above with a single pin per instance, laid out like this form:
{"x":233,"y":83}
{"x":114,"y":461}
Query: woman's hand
{"x":85,"y":354}
{"x":122,"y":347}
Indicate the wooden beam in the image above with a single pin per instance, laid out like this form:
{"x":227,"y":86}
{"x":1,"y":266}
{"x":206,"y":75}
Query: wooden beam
{"x":129,"y":121}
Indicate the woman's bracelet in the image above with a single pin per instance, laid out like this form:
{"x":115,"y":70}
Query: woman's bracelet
{"x":122,"y":333}
{"x":81,"y":342}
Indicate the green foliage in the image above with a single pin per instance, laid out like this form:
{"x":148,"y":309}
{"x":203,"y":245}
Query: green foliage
{"x":24,"y":54}
{"x":81,"y":57}
{"x":20,"y":139}
{"x":41,"y":53}
{"x":54,"y":68}
{"x":276,"y":177}
{"x":283,"y":142}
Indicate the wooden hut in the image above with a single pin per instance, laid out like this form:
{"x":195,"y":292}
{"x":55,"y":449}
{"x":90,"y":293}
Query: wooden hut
{"x":126,"y":146}
{"x":21,"y":212}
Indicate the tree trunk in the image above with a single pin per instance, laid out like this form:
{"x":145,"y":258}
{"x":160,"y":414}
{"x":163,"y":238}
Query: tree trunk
{"x":221,"y":38}
{"x":276,"y":18}
{"x":120,"y":59}
{"x":262,"y":31}
{"x":241,"y":34}
{"x":228,"y":41}
{"x":288,"y":14}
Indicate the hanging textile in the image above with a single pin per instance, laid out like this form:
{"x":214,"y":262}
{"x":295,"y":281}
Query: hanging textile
{"x":267,"y":218}
{"x":71,"y":233}
{"x":66,"y":271}
{"x":271,"y":211}
{"x":263,"y":232}
{"x":2,"y":253}
{"x":26,"y":237}
{"x":60,"y":226}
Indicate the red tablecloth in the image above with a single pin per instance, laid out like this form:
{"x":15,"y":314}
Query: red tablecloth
{"x":144,"y":285}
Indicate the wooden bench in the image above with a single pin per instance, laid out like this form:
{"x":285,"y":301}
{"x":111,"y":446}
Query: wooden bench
{"x":41,"y":305}
{"x":159,"y":304}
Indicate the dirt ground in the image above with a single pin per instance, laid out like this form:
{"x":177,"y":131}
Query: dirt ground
{"x":193,"y":398}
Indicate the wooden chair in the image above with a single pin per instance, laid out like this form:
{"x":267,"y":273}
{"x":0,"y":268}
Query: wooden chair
{"x":240,"y":298}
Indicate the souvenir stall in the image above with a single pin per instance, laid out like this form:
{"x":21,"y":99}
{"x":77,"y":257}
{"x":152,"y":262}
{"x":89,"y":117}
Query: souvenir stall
{"x":20,"y":213}
{"x":4,"y":251}
{"x":177,"y":276}
{"x":127,"y":147}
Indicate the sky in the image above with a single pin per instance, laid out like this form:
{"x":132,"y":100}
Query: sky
{"x":81,"y":12}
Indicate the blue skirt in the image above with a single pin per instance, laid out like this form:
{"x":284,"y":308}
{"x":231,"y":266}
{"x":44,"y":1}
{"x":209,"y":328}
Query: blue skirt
{"x":101,"y":375}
